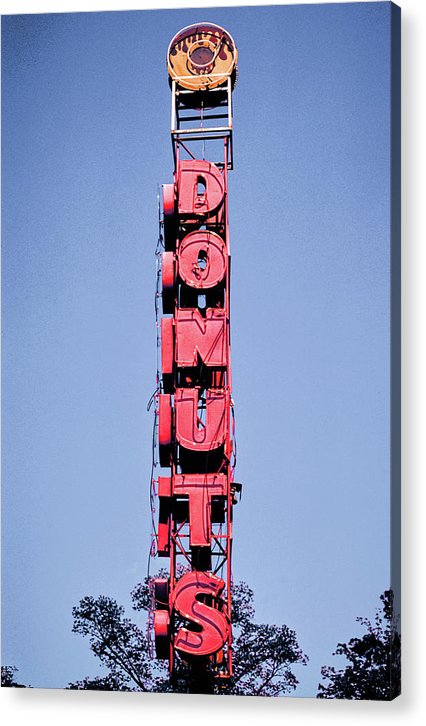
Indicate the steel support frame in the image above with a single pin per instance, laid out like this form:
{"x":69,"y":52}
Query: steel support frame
{"x":180,"y":135}
{"x":221,"y":537}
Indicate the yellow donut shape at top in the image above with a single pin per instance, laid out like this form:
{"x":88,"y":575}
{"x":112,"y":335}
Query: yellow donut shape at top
{"x":201,"y":56}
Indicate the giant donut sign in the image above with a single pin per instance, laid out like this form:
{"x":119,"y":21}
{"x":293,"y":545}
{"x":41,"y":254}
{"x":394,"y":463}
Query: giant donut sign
{"x":196,"y":491}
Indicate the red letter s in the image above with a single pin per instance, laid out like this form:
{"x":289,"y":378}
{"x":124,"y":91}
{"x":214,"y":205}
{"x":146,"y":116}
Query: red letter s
{"x":213,"y":624}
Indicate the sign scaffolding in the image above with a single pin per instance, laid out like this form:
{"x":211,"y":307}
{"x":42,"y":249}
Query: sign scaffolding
{"x":194,"y":407}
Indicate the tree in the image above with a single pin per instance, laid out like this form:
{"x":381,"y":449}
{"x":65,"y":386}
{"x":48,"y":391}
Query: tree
{"x":8,"y":677}
{"x":374,"y":670}
{"x":263,"y":654}
{"x":110,"y":682}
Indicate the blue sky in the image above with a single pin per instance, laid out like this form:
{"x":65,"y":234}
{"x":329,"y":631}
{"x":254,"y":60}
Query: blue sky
{"x":86,"y":110}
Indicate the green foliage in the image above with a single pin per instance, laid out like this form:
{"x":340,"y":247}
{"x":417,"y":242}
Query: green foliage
{"x":8,"y":677}
{"x":374,"y":670}
{"x":263,"y":654}
{"x":119,"y":644}
{"x":110,"y":682}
